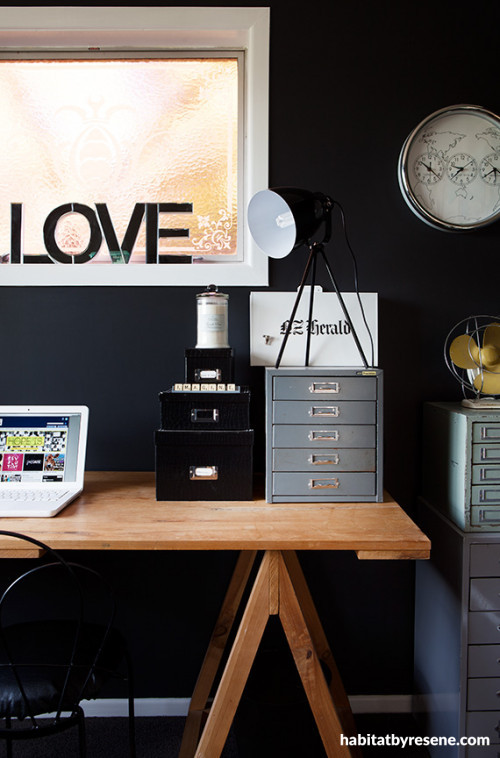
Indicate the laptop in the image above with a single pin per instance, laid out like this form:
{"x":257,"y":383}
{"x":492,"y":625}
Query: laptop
{"x":42,"y":458}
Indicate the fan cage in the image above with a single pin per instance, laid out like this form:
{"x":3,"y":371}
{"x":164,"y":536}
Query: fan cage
{"x":474,"y":327}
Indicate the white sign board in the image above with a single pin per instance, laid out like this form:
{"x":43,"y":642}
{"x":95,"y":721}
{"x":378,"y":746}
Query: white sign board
{"x":332,"y":342}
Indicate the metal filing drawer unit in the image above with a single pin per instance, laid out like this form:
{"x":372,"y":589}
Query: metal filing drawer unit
{"x":457,"y":611}
{"x":461,"y":473}
{"x":323,"y":435}
{"x":457,"y":636}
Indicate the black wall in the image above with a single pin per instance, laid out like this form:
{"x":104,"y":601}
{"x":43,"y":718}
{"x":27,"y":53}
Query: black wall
{"x":349,"y":81}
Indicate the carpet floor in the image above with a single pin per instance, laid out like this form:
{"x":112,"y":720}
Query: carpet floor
{"x":161,"y":738}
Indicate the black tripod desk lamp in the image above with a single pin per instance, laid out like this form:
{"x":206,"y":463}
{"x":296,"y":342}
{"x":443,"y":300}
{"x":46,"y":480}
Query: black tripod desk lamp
{"x":285,"y":218}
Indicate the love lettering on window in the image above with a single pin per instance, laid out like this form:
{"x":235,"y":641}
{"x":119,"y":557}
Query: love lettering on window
{"x":120,"y":161}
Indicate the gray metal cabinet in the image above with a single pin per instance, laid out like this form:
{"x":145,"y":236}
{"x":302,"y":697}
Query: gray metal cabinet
{"x":323,"y":435}
{"x":457,"y":603}
{"x":457,"y":636}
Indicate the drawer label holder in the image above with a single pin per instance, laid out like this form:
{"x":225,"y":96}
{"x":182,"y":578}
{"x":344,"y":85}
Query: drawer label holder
{"x":202,"y":415}
{"x":324,"y":410}
{"x":203,"y":472}
{"x":324,"y":484}
{"x":324,"y":460}
{"x":328,"y":387}
{"x":323,"y":434}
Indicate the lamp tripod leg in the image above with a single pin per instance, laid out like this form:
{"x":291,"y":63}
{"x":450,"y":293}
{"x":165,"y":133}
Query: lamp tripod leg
{"x":312,"y":256}
{"x":344,"y":309}
{"x":311,"y":307}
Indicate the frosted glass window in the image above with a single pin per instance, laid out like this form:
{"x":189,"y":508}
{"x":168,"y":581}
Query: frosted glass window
{"x":127,"y":167}
{"x":120,"y":161}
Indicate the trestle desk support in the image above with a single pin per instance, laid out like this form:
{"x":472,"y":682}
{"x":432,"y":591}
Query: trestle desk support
{"x":279,"y":589}
{"x":119,"y":511}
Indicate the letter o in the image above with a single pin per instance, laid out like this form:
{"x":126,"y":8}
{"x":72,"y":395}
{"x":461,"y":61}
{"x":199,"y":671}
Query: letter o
{"x":49,"y":232}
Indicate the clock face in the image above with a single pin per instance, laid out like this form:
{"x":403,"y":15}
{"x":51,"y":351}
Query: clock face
{"x":449,"y":168}
{"x":462,"y":169}
{"x":489,"y":168}
{"x":429,"y":169}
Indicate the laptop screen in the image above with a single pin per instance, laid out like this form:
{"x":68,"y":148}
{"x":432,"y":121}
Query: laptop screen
{"x":38,"y":448}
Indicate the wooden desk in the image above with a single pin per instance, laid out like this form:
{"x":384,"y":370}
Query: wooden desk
{"x":118,"y":511}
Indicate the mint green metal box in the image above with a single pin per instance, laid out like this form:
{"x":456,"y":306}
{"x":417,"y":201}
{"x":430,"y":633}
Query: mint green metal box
{"x":461,"y":464}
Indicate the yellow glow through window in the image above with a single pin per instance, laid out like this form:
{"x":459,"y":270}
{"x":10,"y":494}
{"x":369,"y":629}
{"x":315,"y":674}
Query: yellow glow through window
{"x":124,"y":160}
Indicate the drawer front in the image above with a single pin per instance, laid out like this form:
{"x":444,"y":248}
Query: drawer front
{"x":484,"y":594}
{"x":333,"y":459}
{"x":483,"y":516}
{"x":484,"y":628}
{"x":485,"y":494}
{"x":323,"y":412}
{"x":342,"y":435}
{"x":484,"y":725}
{"x":483,"y":694}
{"x":485,"y":560}
{"x":486,"y":453}
{"x":321,"y":485}
{"x":324,"y":387}
{"x":483,"y":660}
{"x":486,"y":474}
{"x":487,"y":431}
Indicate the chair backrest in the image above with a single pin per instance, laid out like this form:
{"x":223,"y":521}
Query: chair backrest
{"x":55,"y":618}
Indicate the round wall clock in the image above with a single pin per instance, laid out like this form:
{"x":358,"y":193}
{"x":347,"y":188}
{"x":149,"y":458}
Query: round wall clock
{"x":449,"y":168}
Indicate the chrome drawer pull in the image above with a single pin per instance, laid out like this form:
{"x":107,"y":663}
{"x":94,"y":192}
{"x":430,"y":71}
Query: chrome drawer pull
{"x":203,"y":472}
{"x":204,"y":374}
{"x":325,"y":410}
{"x":204,"y":414}
{"x":318,"y":387}
{"x":323,"y":460}
{"x":323,"y":435}
{"x":316,"y":484}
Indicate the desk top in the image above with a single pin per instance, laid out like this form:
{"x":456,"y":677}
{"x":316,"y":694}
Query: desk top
{"x":119,"y":511}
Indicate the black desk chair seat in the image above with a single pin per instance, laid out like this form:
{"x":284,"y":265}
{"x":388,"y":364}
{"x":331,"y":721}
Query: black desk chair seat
{"x":57,"y":648}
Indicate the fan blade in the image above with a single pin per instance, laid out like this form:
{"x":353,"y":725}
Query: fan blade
{"x":490,"y":353}
{"x":464,"y":352}
{"x":492,"y":335}
{"x":488,"y":384}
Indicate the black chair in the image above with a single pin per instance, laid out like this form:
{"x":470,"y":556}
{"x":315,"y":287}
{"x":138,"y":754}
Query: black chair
{"x":58,"y":647}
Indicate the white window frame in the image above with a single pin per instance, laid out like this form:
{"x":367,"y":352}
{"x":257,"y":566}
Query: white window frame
{"x":149,"y":29}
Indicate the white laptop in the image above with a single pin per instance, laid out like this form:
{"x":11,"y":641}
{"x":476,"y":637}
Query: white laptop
{"x":42,"y":458}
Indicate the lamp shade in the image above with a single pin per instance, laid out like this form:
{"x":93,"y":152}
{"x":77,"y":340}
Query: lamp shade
{"x":283,"y":218}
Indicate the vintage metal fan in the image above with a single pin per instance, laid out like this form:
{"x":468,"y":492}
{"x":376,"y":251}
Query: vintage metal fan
{"x":472,"y":353}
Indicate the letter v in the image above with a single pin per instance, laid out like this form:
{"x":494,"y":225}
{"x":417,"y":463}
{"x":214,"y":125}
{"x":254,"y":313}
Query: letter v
{"x":120,"y":253}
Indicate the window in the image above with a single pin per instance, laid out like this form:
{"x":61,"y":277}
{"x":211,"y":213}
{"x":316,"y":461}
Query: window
{"x":140,"y":149}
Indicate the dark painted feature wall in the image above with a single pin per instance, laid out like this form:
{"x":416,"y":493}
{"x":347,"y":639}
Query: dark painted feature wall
{"x":349,"y":80}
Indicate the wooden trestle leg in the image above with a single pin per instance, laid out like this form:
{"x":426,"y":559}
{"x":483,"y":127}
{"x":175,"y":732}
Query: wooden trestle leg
{"x":321,"y":646}
{"x":279,"y":589}
{"x":201,"y":694}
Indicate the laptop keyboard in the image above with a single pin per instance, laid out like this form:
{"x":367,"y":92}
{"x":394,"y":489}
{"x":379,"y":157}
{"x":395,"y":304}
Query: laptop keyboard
{"x":31,"y":496}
